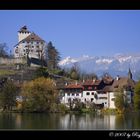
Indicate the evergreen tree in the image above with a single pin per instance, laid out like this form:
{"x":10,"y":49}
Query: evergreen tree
{"x":53,"y":56}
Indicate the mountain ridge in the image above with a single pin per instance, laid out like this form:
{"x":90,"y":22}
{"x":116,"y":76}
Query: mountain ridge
{"x":115,"y":65}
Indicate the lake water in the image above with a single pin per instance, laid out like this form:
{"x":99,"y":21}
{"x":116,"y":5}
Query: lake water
{"x":69,"y":121}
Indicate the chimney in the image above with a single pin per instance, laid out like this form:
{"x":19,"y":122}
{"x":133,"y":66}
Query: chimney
{"x":117,"y":78}
{"x":83,"y":80}
{"x":94,"y":79}
{"x":66,"y":84}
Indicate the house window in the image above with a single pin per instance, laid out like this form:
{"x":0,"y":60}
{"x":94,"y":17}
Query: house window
{"x":25,"y":46}
{"x":37,"y":46}
{"x":23,"y":41}
{"x":72,"y":94}
{"x":113,"y":99}
{"x":87,"y":93}
{"x":92,"y":93}
{"x":77,"y":94}
{"x":37,"y":42}
{"x":103,"y":98}
{"x":92,"y":99}
{"x":32,"y":46}
{"x":68,"y":94}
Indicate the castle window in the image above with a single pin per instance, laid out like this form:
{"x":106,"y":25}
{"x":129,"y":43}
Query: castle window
{"x":27,"y":50}
{"x":16,"y":51}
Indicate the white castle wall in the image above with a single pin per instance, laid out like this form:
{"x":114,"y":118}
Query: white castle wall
{"x":22,"y":36}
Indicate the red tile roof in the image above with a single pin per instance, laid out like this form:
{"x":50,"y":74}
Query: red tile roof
{"x":72,"y":86}
{"x":91,"y":82}
{"x":33,"y":37}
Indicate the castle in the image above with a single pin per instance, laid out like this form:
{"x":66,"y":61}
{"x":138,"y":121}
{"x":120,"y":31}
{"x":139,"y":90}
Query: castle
{"x":30,"y":45}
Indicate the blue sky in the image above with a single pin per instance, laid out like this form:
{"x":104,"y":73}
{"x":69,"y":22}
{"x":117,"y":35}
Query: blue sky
{"x":77,"y":32}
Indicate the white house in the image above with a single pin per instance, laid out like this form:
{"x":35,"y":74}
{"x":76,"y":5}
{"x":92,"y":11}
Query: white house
{"x":89,"y":91}
{"x":100,"y":92}
{"x":92,"y":92}
{"x":72,"y":92}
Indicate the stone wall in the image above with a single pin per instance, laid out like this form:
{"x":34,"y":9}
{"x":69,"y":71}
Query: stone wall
{"x":8,"y":61}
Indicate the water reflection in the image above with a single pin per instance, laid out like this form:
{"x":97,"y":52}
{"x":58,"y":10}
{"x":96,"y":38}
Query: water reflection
{"x":69,"y":121}
{"x":87,"y":121}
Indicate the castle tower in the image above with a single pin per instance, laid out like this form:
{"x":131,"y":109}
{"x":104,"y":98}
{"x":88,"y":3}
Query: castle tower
{"x":130,"y":74}
{"x":23,"y":33}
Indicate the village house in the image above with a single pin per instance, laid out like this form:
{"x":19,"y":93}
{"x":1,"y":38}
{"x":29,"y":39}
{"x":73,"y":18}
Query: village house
{"x":100,"y":92}
{"x":72,"y":92}
{"x":92,"y":92}
{"x":126,"y":84}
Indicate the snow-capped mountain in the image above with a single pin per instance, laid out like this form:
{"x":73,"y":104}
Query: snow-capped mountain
{"x":116,"y":65}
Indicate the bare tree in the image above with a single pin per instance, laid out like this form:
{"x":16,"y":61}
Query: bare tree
{"x":3,"y":50}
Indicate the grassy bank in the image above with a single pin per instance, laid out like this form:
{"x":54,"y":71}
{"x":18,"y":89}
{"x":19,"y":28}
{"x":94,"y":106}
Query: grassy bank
{"x":6,"y":72}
